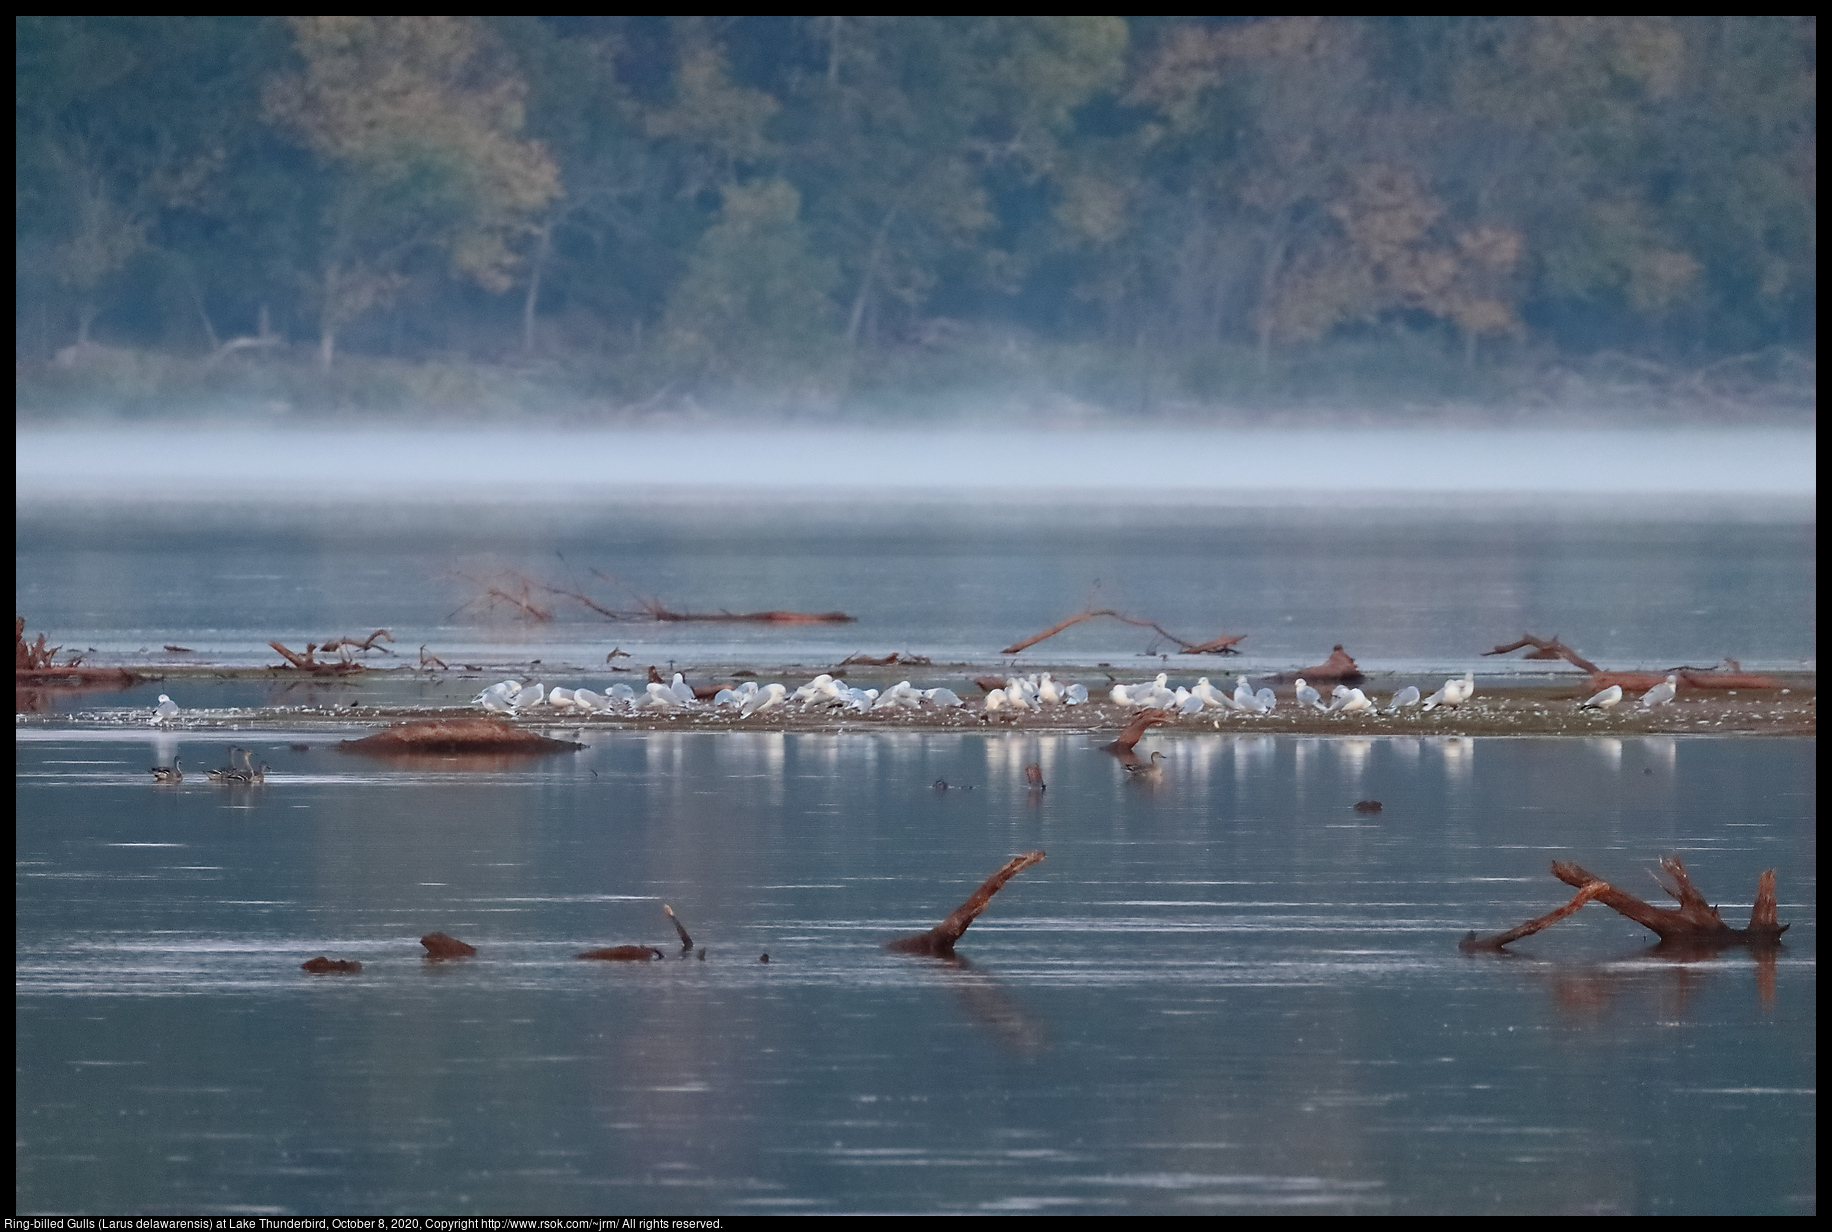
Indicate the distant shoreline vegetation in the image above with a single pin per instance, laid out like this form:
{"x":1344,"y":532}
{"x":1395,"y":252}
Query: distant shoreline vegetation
{"x":1198,"y":219}
{"x":1017,"y":385}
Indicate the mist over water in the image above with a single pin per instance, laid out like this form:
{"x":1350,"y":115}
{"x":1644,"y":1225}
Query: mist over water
{"x":511,"y":466}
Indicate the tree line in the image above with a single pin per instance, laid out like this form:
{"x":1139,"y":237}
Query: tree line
{"x":773,"y":200}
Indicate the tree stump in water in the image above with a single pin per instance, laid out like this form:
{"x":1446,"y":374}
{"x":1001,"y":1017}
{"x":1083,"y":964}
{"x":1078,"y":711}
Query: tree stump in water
{"x":1693,"y":922}
{"x":440,"y":946}
{"x":940,"y":939}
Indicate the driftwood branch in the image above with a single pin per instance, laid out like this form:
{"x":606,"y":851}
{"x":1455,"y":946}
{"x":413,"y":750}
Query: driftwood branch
{"x":1544,"y":648}
{"x":657,"y":611}
{"x":517,"y":590}
{"x":686,"y":941}
{"x":361,"y":643}
{"x":1124,"y":742}
{"x":306,"y":663}
{"x":1220,"y":645}
{"x":1694,"y":921}
{"x":940,"y":939}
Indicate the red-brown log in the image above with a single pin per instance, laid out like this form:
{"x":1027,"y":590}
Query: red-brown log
{"x":1694,"y":922}
{"x":625,"y":953}
{"x":442,"y":946}
{"x":940,"y":939}
{"x":1548,"y":649}
{"x":1134,"y":730}
{"x":1339,"y":666}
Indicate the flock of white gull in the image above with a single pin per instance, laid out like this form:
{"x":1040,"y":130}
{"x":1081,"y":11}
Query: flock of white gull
{"x":1020,"y":693}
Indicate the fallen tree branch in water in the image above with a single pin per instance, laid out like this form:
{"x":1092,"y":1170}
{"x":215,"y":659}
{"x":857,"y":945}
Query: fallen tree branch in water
{"x":1136,"y":729}
{"x":1544,"y":649}
{"x":1694,"y":921}
{"x":775,"y":617}
{"x":625,"y":953}
{"x":361,"y":643}
{"x":940,"y":939}
{"x":306,"y":663}
{"x":686,"y":941}
{"x":1220,"y":645}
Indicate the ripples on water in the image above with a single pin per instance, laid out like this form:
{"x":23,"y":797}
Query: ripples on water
{"x":1228,"y":992}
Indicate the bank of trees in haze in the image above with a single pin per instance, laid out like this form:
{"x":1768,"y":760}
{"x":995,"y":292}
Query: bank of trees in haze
{"x":1212,"y":208}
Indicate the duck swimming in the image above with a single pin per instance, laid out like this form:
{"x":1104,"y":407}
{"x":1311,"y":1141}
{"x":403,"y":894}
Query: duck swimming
{"x":169,"y":774}
{"x":1146,"y":771}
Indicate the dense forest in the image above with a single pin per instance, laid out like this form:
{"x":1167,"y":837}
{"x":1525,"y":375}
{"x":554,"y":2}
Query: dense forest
{"x":1131,"y":212}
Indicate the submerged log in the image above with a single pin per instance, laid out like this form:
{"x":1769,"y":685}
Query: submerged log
{"x":940,"y":939}
{"x":1693,"y":922}
{"x":625,"y":953}
{"x":330,"y":966}
{"x":442,"y":946}
{"x":468,"y":735}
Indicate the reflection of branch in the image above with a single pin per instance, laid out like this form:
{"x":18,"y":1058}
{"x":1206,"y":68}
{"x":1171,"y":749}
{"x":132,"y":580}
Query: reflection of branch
{"x":1220,"y":645}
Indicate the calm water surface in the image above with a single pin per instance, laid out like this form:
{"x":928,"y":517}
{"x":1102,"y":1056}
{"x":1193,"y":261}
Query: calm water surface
{"x":1227,"y":992}
{"x":1414,"y":584}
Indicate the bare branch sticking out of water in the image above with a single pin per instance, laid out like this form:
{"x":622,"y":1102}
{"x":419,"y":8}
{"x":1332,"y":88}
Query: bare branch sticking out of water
{"x":1544,"y":648}
{"x":1125,"y":741}
{"x":361,"y":643}
{"x":1693,"y":922}
{"x":686,"y":941}
{"x":1220,"y":645}
{"x":940,"y":939}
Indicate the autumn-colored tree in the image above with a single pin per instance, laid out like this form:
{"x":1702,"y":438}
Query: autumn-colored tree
{"x":764,"y":198}
{"x":417,"y":120}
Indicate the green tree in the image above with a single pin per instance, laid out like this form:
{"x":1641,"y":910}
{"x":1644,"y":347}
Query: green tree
{"x":755,"y":295}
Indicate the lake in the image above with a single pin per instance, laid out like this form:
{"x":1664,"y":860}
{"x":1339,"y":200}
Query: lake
{"x":1224,"y":991}
{"x":1228,"y":991}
